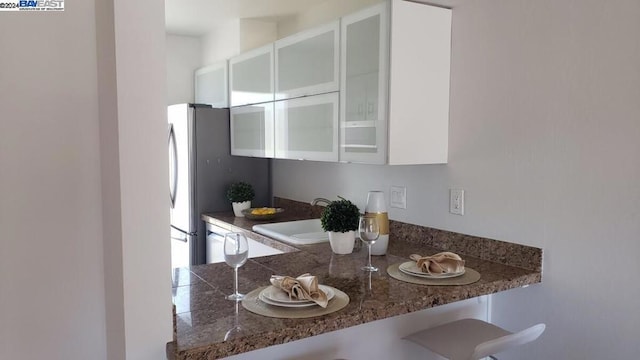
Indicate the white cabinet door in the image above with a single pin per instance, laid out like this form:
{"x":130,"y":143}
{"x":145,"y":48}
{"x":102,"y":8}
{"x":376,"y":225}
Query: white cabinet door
{"x":251,"y":77}
{"x":307,"y":128}
{"x":364,"y":65}
{"x":419,"y":84}
{"x":215,"y":245}
{"x":395,"y":87}
{"x":211,"y":85}
{"x":252,"y":130}
{"x":307,"y":63}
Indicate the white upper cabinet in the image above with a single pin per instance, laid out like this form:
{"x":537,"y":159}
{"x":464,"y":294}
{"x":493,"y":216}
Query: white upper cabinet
{"x":251,"y":77}
{"x":394,"y":84}
{"x":371,"y":88}
{"x":211,"y":85}
{"x":307,"y":63}
{"x":252,"y":130}
{"x":307,"y":128}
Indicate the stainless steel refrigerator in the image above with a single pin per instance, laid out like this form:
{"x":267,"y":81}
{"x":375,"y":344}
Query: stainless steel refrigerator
{"x":201,"y":168}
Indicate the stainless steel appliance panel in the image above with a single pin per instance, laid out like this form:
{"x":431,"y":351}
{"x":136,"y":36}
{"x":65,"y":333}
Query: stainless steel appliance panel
{"x":205,"y":168}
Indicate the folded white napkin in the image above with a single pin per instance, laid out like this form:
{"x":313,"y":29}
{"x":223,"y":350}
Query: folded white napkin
{"x":304,"y":287}
{"x":440,"y":263}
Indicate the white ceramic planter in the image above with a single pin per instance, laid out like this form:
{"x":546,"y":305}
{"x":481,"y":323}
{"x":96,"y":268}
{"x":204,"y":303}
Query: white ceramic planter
{"x":342,"y":243}
{"x":239,"y":206}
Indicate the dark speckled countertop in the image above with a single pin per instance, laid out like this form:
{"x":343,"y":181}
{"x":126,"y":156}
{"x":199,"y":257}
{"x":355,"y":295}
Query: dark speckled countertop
{"x":203,"y":315}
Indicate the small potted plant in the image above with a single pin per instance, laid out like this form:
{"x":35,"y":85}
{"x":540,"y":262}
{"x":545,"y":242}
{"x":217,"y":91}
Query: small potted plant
{"x":240,"y":194}
{"x":340,"y":220}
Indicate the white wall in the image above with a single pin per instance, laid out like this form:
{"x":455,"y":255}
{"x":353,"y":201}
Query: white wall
{"x":256,"y":33}
{"x":51,"y":272}
{"x":144,"y":169}
{"x":184,"y":56}
{"x":545,"y":139}
{"x":234,"y":37}
{"x":222,"y":43}
{"x":322,"y":13}
{"x":69,"y":287}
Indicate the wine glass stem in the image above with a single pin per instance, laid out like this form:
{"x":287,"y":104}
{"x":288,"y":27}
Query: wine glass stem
{"x":369,"y":246}
{"x":235,"y":280}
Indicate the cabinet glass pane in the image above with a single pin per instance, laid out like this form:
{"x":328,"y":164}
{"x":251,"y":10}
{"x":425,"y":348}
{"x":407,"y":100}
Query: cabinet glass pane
{"x":363,"y":45}
{"x":306,"y":63}
{"x":252,"y":130}
{"x":362,"y":69}
{"x":211,"y":86}
{"x":307,"y":128}
{"x":251,"y":80}
{"x":360,"y":140}
{"x":249,"y":130}
{"x":310,"y":128}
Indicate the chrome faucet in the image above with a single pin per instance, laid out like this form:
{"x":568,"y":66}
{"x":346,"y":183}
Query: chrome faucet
{"x":319,"y":200}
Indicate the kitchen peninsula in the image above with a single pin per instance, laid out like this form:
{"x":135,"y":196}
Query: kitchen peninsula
{"x":204,"y":317}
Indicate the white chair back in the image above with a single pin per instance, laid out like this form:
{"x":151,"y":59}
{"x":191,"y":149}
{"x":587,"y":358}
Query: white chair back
{"x":495,"y":346}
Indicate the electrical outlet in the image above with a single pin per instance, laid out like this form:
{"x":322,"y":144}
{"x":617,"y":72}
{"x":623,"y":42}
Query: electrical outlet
{"x":398,"y":197}
{"x":456,"y":201}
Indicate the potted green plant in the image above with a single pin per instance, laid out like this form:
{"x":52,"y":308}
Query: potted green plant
{"x":240,"y":194}
{"x":340,"y":220}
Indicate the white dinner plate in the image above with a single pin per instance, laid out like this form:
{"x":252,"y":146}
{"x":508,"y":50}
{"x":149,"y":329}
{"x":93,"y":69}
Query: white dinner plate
{"x":274,"y":296}
{"x":287,"y":305}
{"x":411,"y":268}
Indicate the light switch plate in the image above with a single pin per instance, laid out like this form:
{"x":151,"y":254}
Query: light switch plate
{"x":456,"y":201}
{"x":398,"y":197}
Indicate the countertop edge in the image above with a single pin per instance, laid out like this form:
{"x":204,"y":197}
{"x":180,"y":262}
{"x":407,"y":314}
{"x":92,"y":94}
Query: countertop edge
{"x":521,"y":277}
{"x":328,"y":324}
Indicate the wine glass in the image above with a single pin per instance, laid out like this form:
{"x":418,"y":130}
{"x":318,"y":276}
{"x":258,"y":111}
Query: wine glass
{"x":369,"y":233}
{"x":236,"y":252}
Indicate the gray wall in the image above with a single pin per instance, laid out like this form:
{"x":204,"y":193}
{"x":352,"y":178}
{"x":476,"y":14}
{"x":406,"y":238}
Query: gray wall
{"x":545,"y":139}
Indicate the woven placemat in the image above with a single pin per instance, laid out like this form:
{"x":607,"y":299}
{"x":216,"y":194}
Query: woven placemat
{"x":253,"y":304}
{"x":470,"y":276}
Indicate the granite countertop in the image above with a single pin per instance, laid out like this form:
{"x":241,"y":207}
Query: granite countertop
{"x":203,"y":315}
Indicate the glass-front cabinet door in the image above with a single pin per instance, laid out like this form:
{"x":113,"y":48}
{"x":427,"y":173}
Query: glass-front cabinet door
{"x":252,"y":130}
{"x":210,"y":84}
{"x":307,"y":63}
{"x":251,"y":77}
{"x":307,"y":128}
{"x":364,"y":64}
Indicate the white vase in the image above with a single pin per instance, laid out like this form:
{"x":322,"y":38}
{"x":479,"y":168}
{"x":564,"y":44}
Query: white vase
{"x":239,"y":206}
{"x":342,"y":242}
{"x":377,"y":206}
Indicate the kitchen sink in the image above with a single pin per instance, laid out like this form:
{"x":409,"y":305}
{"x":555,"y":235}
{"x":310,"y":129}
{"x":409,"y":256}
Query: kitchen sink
{"x":300,"y":232}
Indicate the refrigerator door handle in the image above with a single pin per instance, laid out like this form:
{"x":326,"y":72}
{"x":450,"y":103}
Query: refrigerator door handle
{"x":173,"y":155}
{"x":182,"y":232}
{"x":184,"y":239}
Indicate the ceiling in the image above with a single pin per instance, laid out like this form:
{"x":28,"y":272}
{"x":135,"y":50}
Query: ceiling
{"x":199,"y":17}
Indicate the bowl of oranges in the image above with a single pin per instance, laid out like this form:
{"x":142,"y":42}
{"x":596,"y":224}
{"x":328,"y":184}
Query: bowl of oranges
{"x":263,"y":213}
